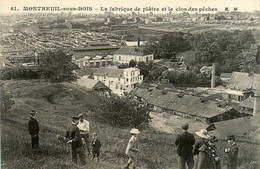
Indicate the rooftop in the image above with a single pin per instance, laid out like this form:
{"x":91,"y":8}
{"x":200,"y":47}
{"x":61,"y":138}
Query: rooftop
{"x":132,"y":50}
{"x":186,"y":104}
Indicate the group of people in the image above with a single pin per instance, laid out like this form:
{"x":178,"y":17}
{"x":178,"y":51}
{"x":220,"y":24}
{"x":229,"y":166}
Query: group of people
{"x":77,"y":135}
{"x":203,"y":150}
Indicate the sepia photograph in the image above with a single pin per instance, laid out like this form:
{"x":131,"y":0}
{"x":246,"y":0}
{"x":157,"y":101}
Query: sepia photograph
{"x":115,"y":84}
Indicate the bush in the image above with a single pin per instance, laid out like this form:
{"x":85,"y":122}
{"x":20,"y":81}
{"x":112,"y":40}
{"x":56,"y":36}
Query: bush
{"x":123,"y":111}
{"x":6,"y":101}
{"x":18,"y":72}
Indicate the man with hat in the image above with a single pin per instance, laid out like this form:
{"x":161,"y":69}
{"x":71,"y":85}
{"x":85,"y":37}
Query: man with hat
{"x":84,"y":131}
{"x":73,"y":134}
{"x":185,"y":142}
{"x":34,"y":129}
{"x":132,"y":149}
{"x":232,"y":152}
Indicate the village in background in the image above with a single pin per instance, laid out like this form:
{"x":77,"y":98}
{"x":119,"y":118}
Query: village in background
{"x":203,"y":69}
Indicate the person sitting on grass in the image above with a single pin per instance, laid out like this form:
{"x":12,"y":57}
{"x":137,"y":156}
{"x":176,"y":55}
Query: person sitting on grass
{"x":96,"y":145}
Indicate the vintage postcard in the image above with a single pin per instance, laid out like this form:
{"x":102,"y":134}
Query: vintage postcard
{"x":130,"y":84}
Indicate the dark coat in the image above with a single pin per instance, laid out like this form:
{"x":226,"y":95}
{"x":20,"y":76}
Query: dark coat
{"x":232,"y":157}
{"x":96,"y":145}
{"x":33,"y":127}
{"x":207,"y":157}
{"x":185,"y":142}
{"x":198,"y":144}
{"x":73,"y":134}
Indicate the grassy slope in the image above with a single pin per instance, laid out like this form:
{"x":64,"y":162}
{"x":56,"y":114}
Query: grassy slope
{"x":55,"y":104}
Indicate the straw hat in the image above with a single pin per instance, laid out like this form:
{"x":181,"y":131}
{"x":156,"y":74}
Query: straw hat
{"x":80,"y":115}
{"x":134,"y":131}
{"x":203,"y":133}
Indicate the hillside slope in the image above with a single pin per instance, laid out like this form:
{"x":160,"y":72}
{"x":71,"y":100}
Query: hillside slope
{"x":56,"y":103}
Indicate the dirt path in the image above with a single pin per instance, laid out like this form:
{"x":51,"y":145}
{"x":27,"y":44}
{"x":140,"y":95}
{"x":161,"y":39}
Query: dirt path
{"x":169,"y":123}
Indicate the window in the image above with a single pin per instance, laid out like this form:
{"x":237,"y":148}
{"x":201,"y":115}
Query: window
{"x":119,"y":58}
{"x":116,"y":86}
{"x":126,"y":79}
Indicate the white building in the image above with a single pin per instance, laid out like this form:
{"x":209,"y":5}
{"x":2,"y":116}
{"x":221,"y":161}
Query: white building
{"x":119,"y":80}
{"x":128,"y":53}
{"x":97,"y":61}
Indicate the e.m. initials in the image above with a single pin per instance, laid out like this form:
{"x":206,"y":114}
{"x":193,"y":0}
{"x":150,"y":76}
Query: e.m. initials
{"x":227,"y":9}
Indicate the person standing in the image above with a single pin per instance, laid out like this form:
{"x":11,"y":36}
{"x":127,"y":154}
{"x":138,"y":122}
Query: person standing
{"x":203,"y":137}
{"x":185,"y":142}
{"x":232,"y":152}
{"x":132,"y":149}
{"x":34,"y":129}
{"x":208,"y":157}
{"x":96,"y":145}
{"x":73,"y":134}
{"x":84,"y":131}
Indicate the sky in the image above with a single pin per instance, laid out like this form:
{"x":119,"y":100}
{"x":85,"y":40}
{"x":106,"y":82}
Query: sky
{"x":241,"y":5}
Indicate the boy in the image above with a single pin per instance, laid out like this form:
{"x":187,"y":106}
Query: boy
{"x":96,"y":145}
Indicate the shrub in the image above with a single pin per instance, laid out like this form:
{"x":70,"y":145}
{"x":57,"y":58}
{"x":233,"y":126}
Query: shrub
{"x":123,"y":111}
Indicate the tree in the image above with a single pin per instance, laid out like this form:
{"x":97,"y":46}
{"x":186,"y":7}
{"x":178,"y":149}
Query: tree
{"x":56,"y":66}
{"x":171,"y":44}
{"x":132,"y":63}
{"x":145,"y":68}
{"x":123,"y":111}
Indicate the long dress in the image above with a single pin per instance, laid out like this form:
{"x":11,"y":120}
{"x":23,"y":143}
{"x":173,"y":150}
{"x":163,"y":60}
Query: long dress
{"x":208,"y":158}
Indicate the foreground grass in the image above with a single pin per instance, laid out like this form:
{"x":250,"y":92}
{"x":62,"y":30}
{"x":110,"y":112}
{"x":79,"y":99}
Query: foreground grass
{"x":55,"y":108}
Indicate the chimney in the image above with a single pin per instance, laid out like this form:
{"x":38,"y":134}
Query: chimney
{"x":257,"y":66}
{"x":138,"y":42}
{"x":256,"y":104}
{"x":213,"y":75}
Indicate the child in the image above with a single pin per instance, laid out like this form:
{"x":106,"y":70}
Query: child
{"x":96,"y":145}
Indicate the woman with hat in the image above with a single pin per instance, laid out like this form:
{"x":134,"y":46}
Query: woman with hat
{"x":207,"y":154}
{"x":132,"y":148}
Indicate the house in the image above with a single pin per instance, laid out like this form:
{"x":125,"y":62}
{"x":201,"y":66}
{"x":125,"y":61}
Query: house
{"x":95,"y":85}
{"x":225,"y":77}
{"x":136,"y":53}
{"x":240,"y":127}
{"x":97,"y":61}
{"x":187,"y":106}
{"x":85,"y":72}
{"x":241,"y":85}
{"x":119,"y":80}
{"x":247,"y":106}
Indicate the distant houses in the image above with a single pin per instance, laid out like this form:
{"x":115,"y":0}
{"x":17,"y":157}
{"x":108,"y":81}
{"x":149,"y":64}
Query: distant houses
{"x":119,"y":80}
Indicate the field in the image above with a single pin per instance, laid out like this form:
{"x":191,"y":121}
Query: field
{"x":56,"y":103}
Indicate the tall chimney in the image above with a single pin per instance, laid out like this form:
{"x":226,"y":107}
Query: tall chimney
{"x":138,"y":42}
{"x":257,"y":66}
{"x":256,"y":104}
{"x":213,"y":75}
